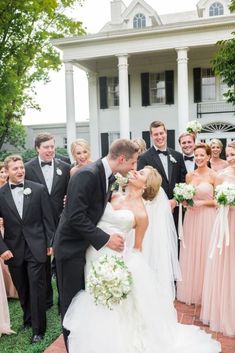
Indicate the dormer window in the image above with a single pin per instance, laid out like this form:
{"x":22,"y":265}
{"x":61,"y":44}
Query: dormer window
{"x":216,"y":9}
{"x":139,"y":21}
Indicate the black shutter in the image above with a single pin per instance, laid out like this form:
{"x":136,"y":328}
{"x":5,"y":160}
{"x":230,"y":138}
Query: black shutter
{"x":146,"y":137}
{"x":104,"y":143}
{"x":145,"y":89}
{"x":103,"y":92}
{"x":169,"y":82}
{"x":171,"y":138}
{"x":197,"y":85}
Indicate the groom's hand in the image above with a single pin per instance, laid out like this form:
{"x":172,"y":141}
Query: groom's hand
{"x":116,"y":242}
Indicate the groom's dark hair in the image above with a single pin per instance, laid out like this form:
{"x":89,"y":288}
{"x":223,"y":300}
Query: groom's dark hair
{"x":122,"y":147}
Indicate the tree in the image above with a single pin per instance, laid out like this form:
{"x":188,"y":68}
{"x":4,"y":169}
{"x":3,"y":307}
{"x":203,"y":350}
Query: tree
{"x":224,"y":63}
{"x":27,"y":56}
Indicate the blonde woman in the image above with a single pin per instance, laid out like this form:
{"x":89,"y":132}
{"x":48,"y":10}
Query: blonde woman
{"x":217,"y":163}
{"x":81,"y":153}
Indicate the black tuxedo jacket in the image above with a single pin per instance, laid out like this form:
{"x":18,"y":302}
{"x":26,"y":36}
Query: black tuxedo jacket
{"x":36,"y":227}
{"x":176,"y":167}
{"x":59,"y":185}
{"x":85,"y":203}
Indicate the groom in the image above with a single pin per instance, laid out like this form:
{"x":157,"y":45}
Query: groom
{"x":87,"y":196}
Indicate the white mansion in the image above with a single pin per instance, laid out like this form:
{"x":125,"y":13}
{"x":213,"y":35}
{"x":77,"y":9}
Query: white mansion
{"x":143,"y":67}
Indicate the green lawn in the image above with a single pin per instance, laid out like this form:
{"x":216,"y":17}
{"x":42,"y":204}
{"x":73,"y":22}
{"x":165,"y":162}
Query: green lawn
{"x":20,"y":342}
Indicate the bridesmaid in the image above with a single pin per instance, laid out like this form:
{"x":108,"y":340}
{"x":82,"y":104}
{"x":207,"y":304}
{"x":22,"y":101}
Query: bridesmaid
{"x":4,"y":311}
{"x":10,"y":288}
{"x":218,"y":300}
{"x":217,"y":163}
{"x":81,"y":153}
{"x":198,"y":222}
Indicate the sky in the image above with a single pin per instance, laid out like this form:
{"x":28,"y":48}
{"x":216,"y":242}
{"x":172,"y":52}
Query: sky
{"x":51,"y":97}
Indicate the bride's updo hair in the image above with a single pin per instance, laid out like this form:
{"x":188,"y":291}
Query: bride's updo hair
{"x":231,"y":144}
{"x":153,"y":183}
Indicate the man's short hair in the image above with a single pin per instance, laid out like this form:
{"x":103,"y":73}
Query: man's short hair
{"x":155,"y":124}
{"x":42,"y":137}
{"x":123,"y":147}
{"x":185,"y":134}
{"x":12,"y":158}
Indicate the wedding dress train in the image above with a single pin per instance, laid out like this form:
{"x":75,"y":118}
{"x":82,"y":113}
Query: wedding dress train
{"x":145,"y":322}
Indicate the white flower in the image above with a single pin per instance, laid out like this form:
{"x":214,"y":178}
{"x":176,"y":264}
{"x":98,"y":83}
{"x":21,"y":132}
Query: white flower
{"x":58,"y":171}
{"x":184,"y":192}
{"x":225,"y":194}
{"x":27,"y":191}
{"x":172,"y":159}
{"x":194,"y":126}
{"x":109,"y":281}
{"x":120,"y":181}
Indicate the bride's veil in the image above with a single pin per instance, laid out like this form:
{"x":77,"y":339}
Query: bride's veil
{"x":160,"y":247}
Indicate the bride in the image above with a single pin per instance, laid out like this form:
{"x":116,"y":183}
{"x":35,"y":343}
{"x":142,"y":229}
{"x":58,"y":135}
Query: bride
{"x":145,"y":322}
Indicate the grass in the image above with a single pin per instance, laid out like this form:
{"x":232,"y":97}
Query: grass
{"x":20,"y":341}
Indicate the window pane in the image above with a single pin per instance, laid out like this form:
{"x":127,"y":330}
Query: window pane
{"x":208,"y":85}
{"x":157,"y":88}
{"x":216,"y":9}
{"x":139,"y":21}
{"x":113,"y":91}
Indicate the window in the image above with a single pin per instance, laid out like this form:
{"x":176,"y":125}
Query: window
{"x":65,"y":144}
{"x":113,"y":91}
{"x":216,"y":9}
{"x":139,"y":21}
{"x":208,"y":85}
{"x":157,"y":88}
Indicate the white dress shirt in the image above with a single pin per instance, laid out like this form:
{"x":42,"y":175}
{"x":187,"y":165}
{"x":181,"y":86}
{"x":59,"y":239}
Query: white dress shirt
{"x":107,"y":169}
{"x":164,"y":160}
{"x":189,"y":164}
{"x":48,"y":173}
{"x":18,"y":197}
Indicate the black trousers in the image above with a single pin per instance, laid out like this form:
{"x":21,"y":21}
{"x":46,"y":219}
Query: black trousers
{"x":70,"y":276}
{"x":29,"y":279}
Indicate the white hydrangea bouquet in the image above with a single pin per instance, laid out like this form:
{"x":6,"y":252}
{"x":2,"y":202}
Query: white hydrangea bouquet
{"x":225,"y":194}
{"x":109,"y":281}
{"x":120,"y":182}
{"x":194,"y":127}
{"x":225,"y":197}
{"x":184,"y":192}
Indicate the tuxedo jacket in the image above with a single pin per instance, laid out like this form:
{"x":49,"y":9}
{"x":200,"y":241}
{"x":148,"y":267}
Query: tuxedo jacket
{"x":176,"y":167}
{"x":85,"y":203}
{"x":33,"y":172}
{"x":36,"y":227}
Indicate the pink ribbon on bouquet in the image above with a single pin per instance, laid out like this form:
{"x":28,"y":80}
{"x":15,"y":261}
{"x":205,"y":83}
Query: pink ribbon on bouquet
{"x":220,"y":230}
{"x":180,"y":225}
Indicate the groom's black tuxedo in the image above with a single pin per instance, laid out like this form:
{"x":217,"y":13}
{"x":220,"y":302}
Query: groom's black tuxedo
{"x":85,"y":203}
{"x":28,"y":239}
{"x":176,"y":167}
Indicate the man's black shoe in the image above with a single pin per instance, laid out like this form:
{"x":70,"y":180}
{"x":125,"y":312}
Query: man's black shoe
{"x":36,"y":338}
{"x":24,"y":327}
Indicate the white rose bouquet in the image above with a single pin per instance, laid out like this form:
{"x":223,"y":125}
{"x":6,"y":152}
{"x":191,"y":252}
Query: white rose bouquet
{"x":184,"y":192}
{"x":194,"y":127}
{"x":120,"y":182}
{"x":225,"y":194}
{"x":109,"y":281}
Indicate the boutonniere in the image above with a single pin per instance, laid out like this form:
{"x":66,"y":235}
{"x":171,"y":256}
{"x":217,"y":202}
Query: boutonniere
{"x":58,"y":171}
{"x":172,"y":159}
{"x":27,"y":191}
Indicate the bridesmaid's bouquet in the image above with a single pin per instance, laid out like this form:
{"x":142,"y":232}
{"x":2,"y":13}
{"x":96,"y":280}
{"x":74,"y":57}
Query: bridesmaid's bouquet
{"x":184,"y":192}
{"x":109,"y":281}
{"x":225,"y":194}
{"x":194,"y":127}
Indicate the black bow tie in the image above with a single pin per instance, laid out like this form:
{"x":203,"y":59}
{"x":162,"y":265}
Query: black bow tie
{"x":187,"y":158}
{"x":163,"y":152}
{"x":13,"y":186}
{"x":111,"y":180}
{"x":45,"y":163}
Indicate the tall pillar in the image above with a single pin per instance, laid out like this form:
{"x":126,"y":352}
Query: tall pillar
{"x":94,"y":117}
{"x":124,"y":117}
{"x":183,"y":92}
{"x":70,"y":106}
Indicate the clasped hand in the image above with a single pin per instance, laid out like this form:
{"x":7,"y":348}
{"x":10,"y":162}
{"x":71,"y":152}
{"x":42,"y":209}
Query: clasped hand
{"x":116,"y":242}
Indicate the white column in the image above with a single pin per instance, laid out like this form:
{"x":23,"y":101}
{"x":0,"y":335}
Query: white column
{"x":70,"y":106}
{"x":183,"y":95}
{"x":93,"y":117}
{"x":123,"y":96}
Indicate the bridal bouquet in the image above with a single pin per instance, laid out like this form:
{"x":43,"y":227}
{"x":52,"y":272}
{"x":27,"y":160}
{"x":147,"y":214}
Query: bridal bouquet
{"x":184,"y":192}
{"x":120,"y":181}
{"x":109,"y":281}
{"x":225,"y":194}
{"x":194,"y":127}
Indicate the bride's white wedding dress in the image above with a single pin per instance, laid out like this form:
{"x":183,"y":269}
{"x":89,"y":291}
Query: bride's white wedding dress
{"x":145,"y":322}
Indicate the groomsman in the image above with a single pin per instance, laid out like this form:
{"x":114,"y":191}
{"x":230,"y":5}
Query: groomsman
{"x":54,"y":174}
{"x":187,"y":144}
{"x":28,"y":231}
